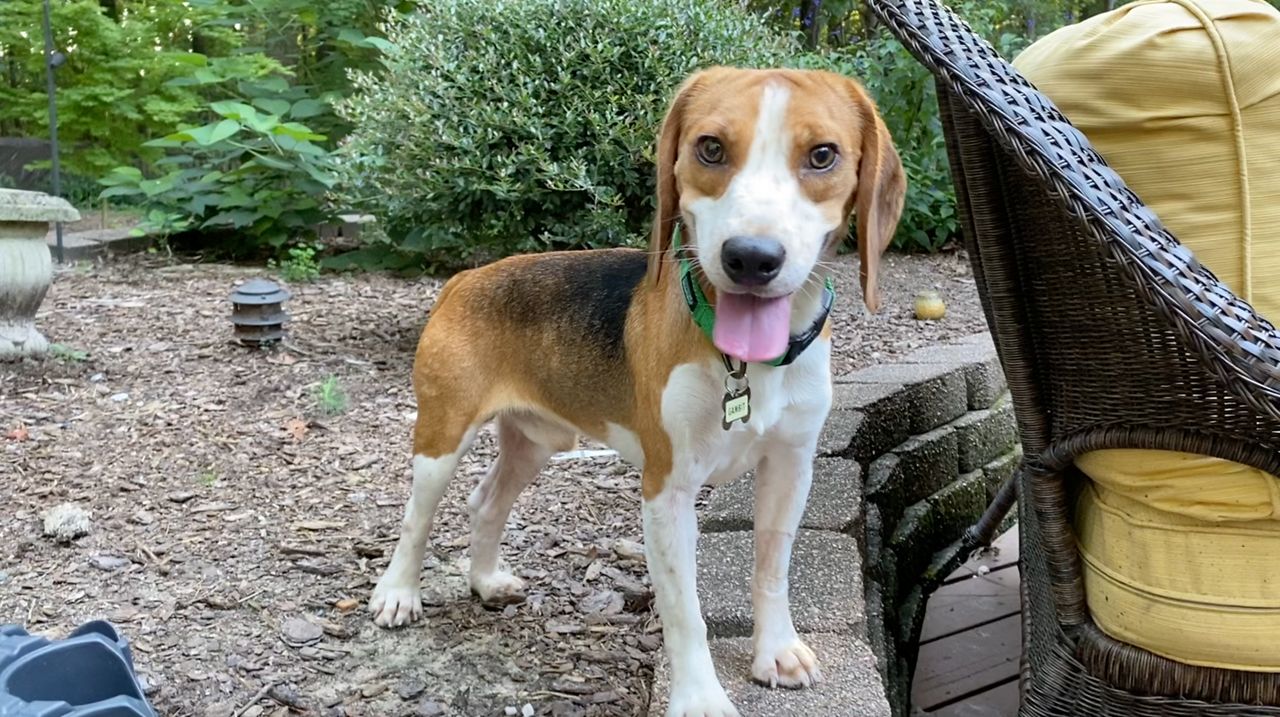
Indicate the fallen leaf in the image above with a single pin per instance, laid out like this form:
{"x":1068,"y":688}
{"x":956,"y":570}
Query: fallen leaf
{"x":629,"y":549}
{"x":297,"y":428}
{"x":19,"y":434}
{"x":604,"y":602}
{"x":298,"y":632}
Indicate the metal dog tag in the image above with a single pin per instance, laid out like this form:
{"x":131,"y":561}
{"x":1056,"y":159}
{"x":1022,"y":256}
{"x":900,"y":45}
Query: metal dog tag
{"x":737,"y":406}
{"x":737,"y":394}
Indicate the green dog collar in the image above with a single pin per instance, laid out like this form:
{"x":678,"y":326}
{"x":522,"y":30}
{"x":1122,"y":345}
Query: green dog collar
{"x":704,"y":314}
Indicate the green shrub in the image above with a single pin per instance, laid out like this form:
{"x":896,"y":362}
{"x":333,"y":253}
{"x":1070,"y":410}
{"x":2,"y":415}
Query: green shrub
{"x":502,"y":126}
{"x":301,"y":266}
{"x":113,"y":90}
{"x":256,"y":174}
{"x":905,"y":94}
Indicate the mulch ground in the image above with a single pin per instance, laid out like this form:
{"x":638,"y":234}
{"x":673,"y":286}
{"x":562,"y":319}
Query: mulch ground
{"x":242,"y":502}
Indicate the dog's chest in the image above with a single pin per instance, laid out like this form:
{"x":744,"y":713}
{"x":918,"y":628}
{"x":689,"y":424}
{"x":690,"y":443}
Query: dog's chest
{"x":788,"y":405}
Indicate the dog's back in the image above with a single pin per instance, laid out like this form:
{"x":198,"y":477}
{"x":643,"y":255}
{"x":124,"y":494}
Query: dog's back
{"x":546,"y":330}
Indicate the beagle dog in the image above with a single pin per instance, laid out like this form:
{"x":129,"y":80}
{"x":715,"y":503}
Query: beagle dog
{"x":699,"y":360}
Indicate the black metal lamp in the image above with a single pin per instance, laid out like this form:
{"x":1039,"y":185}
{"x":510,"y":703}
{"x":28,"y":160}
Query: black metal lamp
{"x":258,"y":312}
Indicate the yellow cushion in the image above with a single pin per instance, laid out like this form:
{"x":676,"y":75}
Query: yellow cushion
{"x":1182,"y":98}
{"x":1181,"y":556}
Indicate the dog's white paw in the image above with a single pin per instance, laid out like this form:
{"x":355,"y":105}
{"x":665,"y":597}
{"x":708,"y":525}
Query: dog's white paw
{"x":395,"y":605}
{"x":498,"y":588}
{"x":706,"y":703}
{"x":792,"y":665}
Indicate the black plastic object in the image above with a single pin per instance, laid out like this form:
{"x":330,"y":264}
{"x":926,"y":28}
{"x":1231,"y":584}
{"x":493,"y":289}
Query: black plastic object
{"x":89,"y":674}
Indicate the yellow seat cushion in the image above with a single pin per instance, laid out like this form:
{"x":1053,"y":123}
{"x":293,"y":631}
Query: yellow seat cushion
{"x":1181,"y":556}
{"x":1182,"y":98}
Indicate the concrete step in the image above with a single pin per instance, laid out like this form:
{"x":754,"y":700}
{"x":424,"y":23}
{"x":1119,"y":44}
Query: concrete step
{"x":826,"y":583}
{"x":851,"y":685}
{"x":835,"y":501}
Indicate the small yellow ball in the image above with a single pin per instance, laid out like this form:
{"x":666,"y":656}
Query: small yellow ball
{"x":929,"y":306}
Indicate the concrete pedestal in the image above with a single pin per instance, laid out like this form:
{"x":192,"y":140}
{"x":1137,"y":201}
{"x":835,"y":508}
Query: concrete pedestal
{"x":26,"y":269}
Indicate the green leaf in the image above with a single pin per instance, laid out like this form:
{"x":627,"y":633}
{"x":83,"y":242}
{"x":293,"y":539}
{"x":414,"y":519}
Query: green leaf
{"x":233,"y":110}
{"x":274,"y":106}
{"x":190,"y":58}
{"x":213,"y":133}
{"x":120,"y":191}
{"x":351,"y":35}
{"x":302,"y":109}
{"x":273,"y":84}
{"x":325,"y":178}
{"x":297,"y":131}
{"x":264,"y":125}
{"x":122,"y":175}
{"x":152,"y":187}
{"x":236,"y":218}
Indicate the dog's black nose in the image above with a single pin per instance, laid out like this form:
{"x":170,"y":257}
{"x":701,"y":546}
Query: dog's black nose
{"x":752,"y":261}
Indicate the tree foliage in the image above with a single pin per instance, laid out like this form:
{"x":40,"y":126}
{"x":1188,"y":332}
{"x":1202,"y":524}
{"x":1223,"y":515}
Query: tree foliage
{"x":140,"y":73}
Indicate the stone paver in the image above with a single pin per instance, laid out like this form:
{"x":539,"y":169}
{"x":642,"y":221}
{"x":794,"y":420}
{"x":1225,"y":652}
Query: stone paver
{"x":835,"y":500}
{"x":840,"y":432}
{"x":936,"y":393}
{"x":851,"y":686}
{"x":826,"y":583}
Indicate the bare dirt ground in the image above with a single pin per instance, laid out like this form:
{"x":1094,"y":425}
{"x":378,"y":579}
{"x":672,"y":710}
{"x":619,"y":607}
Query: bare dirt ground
{"x":244,"y":501}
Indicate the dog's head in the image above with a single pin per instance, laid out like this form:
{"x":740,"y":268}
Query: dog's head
{"x":764,"y":168}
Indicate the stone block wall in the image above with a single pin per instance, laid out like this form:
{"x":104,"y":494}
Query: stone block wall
{"x":935,"y":436}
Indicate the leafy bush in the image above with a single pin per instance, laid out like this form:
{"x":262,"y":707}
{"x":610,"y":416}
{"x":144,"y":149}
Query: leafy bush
{"x":503,"y":126}
{"x":152,"y":65}
{"x":112,"y":92}
{"x":905,"y":94}
{"x":301,"y":266}
{"x":256,"y":172}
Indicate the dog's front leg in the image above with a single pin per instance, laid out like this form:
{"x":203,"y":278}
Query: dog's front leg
{"x":781,"y":490}
{"x":671,"y":543}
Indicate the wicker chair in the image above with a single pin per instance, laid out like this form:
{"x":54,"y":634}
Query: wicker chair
{"x":1111,"y":335}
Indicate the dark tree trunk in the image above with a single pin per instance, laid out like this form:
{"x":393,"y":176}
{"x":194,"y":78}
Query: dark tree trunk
{"x":111,"y":8}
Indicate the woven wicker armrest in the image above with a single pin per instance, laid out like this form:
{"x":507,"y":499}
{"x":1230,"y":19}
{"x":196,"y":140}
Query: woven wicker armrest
{"x":1238,"y":346}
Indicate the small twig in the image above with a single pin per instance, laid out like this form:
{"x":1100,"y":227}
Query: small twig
{"x":147,"y":551}
{"x":553,"y":693}
{"x":303,"y":550}
{"x":254,"y":700}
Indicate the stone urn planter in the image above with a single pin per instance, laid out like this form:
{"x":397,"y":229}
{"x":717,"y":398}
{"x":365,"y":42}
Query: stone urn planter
{"x":26,"y":269}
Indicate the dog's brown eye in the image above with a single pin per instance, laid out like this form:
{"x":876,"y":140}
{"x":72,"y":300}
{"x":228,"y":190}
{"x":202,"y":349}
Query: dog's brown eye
{"x":822,"y":156}
{"x":710,"y":151}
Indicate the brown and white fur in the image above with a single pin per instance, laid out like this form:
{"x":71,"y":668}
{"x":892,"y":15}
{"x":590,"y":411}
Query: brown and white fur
{"x":601,"y":343}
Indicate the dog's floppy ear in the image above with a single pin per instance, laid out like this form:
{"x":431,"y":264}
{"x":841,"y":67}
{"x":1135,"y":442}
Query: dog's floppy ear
{"x":668,"y":193}
{"x":882,"y":186}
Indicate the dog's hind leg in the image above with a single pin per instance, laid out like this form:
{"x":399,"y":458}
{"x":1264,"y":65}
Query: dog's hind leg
{"x":440,"y":440}
{"x":525,"y":443}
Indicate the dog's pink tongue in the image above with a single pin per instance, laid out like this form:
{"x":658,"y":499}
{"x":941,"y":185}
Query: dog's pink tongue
{"x":750,"y":328}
